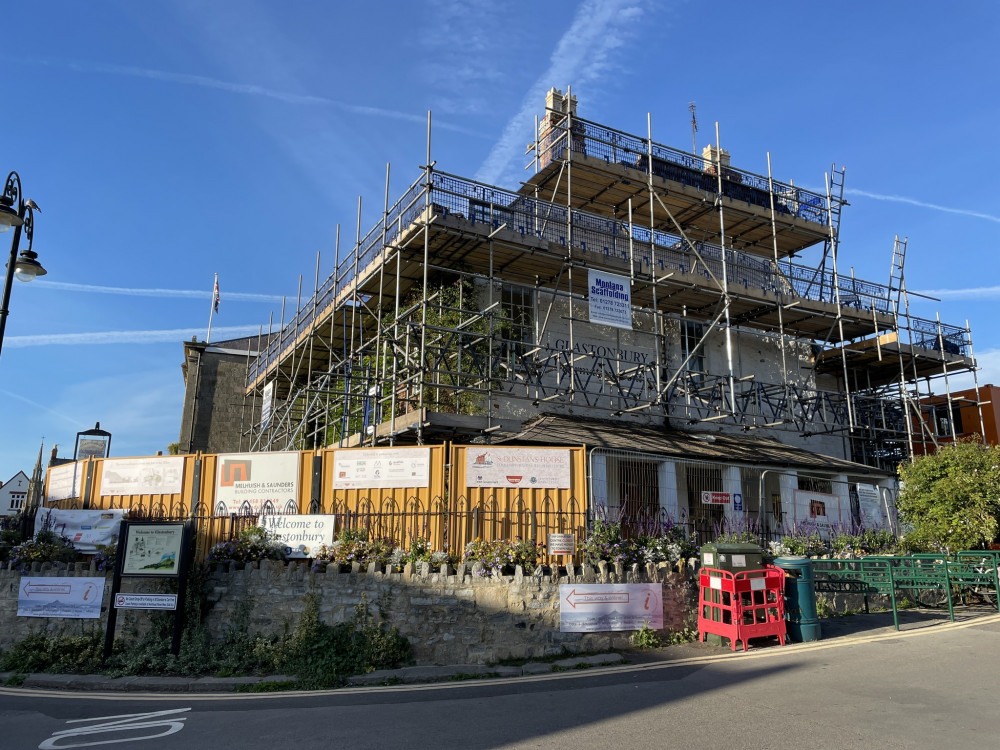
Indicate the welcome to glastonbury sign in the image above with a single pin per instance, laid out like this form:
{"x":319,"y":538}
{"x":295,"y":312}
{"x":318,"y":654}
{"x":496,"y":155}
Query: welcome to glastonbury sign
{"x":610,"y":299}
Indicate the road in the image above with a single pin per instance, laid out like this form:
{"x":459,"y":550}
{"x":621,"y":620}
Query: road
{"x":930,"y":688}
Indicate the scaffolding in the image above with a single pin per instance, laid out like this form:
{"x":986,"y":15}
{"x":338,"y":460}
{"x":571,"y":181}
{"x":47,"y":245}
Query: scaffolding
{"x":463,"y":312}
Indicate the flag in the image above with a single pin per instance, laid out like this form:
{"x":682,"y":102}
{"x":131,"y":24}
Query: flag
{"x":215,"y":296}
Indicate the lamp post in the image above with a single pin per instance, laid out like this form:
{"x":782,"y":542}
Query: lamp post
{"x":18,"y":213}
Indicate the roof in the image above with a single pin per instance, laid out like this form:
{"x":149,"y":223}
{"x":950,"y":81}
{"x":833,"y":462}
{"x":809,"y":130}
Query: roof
{"x":701,"y":446}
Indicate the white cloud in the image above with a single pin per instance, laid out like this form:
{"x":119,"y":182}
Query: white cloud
{"x":922,"y":204}
{"x":989,"y":373}
{"x":173,"y":335}
{"x":170,"y":293}
{"x":582,"y":55}
{"x":250,"y":89}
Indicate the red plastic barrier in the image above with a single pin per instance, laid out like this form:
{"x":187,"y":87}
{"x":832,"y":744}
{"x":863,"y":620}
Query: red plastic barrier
{"x":741,"y":606}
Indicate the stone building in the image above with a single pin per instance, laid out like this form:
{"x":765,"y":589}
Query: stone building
{"x":215,"y":410}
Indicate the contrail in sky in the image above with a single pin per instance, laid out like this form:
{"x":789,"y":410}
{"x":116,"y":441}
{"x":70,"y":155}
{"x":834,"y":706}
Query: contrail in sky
{"x":978,"y":291}
{"x":922,"y":204}
{"x":248,"y":89}
{"x":598,"y":28}
{"x":174,"y":335}
{"x":174,"y":293}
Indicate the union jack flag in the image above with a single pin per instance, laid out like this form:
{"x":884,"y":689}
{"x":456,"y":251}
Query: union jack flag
{"x":215,"y":297}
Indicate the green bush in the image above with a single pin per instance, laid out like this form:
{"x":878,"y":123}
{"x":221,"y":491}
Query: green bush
{"x":252,"y":545}
{"x":498,"y":554}
{"x":40,"y":653}
{"x":47,"y":546}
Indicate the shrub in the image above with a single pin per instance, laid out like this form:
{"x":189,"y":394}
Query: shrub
{"x":324,"y":655}
{"x":498,"y":554}
{"x":353,"y":546}
{"x":47,"y":546}
{"x":39,"y":653}
{"x":252,"y":545}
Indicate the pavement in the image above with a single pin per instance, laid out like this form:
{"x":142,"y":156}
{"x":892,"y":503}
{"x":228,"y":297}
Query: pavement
{"x":844,"y":630}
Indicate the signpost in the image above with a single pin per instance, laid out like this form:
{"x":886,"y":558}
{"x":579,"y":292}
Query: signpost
{"x":151,"y":549}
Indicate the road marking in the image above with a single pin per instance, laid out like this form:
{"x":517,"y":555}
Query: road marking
{"x":776,"y":651}
{"x":168,"y":721}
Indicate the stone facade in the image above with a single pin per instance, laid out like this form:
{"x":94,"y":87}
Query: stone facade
{"x":449,"y":618}
{"x":215,"y":411}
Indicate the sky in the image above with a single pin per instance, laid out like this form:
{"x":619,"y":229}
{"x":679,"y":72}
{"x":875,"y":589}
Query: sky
{"x":169,"y":141}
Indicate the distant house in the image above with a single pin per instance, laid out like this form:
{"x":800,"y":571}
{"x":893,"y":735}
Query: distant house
{"x":972,"y":414}
{"x":13,"y":494}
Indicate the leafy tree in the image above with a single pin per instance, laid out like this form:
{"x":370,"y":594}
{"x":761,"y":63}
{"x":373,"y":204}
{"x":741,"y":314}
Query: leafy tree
{"x":951,"y":499}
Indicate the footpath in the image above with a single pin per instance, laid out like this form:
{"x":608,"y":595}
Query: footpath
{"x":835,"y":630}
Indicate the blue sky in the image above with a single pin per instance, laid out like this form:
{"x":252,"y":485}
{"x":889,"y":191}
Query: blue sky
{"x":167,"y":141}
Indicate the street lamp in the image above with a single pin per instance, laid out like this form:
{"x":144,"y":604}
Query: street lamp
{"x":19,"y":213}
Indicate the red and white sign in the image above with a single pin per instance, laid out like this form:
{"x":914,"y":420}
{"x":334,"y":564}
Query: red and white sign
{"x":716,"y":498}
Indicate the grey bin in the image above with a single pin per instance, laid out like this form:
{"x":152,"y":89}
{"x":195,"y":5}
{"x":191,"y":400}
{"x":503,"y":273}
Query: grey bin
{"x":734,"y":558}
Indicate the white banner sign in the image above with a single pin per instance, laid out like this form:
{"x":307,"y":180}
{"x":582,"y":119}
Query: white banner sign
{"x":381,"y":468}
{"x":65,"y":481}
{"x":597,"y":607}
{"x":267,"y":398}
{"x":490,"y":466}
{"x":70,"y":598}
{"x":818,"y":509}
{"x":256,"y":483}
{"x":85,"y":528}
{"x":157,"y":475}
{"x":870,"y":506}
{"x":145,"y":601}
{"x":610,"y":299}
{"x":301,"y":535}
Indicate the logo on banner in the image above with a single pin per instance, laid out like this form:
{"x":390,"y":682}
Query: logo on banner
{"x":234,"y":471}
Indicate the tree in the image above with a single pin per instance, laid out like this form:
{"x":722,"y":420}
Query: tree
{"x":951,"y":499}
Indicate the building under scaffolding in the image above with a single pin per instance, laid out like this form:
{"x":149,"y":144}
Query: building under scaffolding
{"x":625,"y":280}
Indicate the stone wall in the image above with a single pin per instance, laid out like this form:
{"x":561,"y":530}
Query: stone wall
{"x":449,"y":618}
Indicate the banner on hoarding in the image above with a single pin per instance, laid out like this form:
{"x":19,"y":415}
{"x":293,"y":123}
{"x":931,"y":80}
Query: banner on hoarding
{"x":531,"y":468}
{"x":157,"y":475}
{"x":65,"y":481}
{"x":381,"y":468}
{"x":257,"y":483}
{"x":610,"y":299}
{"x":301,"y":535}
{"x":597,"y":608}
{"x":69,"y":598}
{"x":85,"y":528}
{"x":870,"y":506}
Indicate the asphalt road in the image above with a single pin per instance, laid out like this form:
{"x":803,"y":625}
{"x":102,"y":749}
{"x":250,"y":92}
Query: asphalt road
{"x":931,"y":687}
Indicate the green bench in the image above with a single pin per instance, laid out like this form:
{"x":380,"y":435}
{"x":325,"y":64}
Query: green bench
{"x":974,"y":571}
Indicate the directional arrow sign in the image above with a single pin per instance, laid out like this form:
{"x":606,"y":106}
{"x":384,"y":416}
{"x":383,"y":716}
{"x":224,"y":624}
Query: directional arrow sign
{"x":612,"y":597}
{"x":52,"y":589}
{"x":603,"y":607}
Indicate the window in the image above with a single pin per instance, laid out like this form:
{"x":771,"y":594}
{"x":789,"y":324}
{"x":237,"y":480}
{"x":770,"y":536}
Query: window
{"x":943,"y":416}
{"x":691,"y":335}
{"x":706,"y":518}
{"x":815,"y":484}
{"x":518,"y":327}
{"x":17,"y":500}
{"x":638,"y":487}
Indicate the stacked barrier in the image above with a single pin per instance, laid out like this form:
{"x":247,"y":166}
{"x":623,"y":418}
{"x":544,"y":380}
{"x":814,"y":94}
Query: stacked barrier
{"x":741,"y":606}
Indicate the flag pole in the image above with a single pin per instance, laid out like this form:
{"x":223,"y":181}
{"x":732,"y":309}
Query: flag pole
{"x":213,"y":308}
